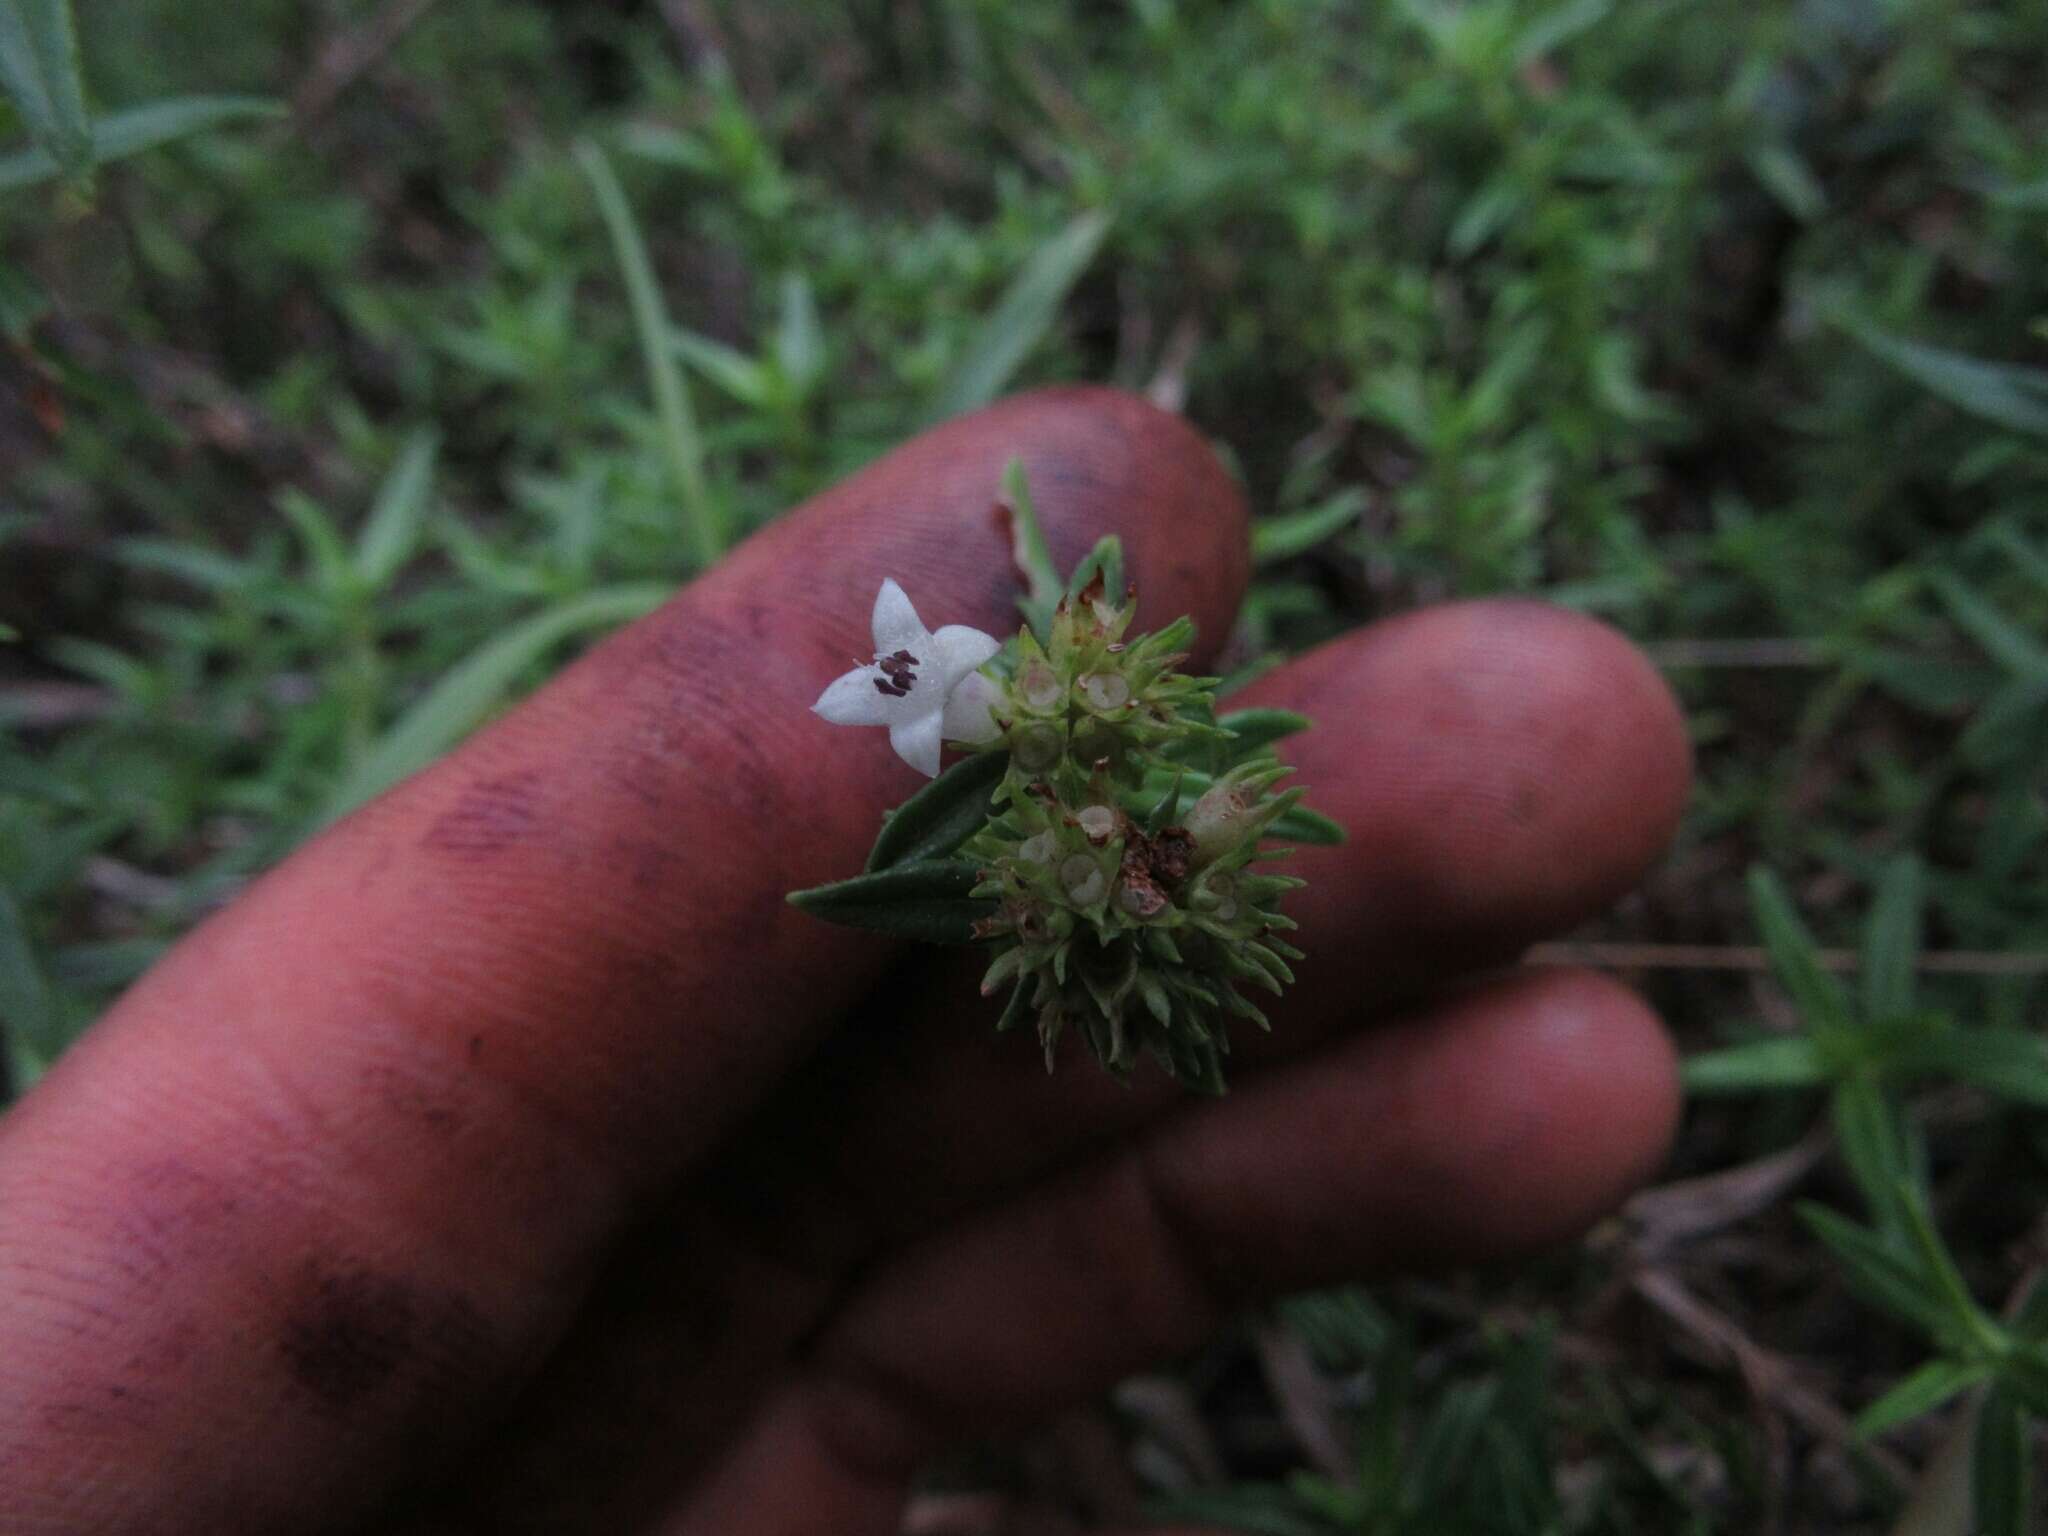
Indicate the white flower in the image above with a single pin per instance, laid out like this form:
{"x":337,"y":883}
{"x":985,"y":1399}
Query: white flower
{"x":925,"y":687}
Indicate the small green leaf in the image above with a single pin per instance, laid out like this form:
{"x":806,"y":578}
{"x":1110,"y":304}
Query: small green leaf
{"x":1867,"y":1133}
{"x":941,"y":816}
{"x":799,"y":339}
{"x":1020,"y":319}
{"x":1790,"y":1061}
{"x":1299,"y":824}
{"x":2006,"y":394}
{"x":136,"y":129}
{"x":1254,"y":730}
{"x":727,"y":367}
{"x":323,"y":541}
{"x":1030,"y":554}
{"x":1935,"y":1260}
{"x":39,"y":70}
{"x":1787,"y":177}
{"x":927,"y":902}
{"x":1927,"y":1388}
{"x":2006,"y":642}
{"x":2012,"y":1063}
{"x":2008,"y":725}
{"x":703,"y":527}
{"x":1296,"y":533}
{"x":391,"y":532}
{"x":1876,"y":1271}
{"x":477,"y":685}
{"x":1794,"y":957}
{"x":1999,"y":1461}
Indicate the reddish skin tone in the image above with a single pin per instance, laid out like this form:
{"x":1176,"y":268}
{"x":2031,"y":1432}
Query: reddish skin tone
{"x":513,"y":1158}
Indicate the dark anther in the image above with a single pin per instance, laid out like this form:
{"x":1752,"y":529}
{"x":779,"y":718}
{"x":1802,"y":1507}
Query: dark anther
{"x":896,"y":669}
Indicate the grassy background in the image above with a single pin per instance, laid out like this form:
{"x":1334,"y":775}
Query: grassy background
{"x":326,"y":435}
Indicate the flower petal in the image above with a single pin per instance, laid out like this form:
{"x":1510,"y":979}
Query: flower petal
{"x":853,"y":699}
{"x":917,"y":743}
{"x":896,"y":624}
{"x":969,"y":716}
{"x":961,"y":649}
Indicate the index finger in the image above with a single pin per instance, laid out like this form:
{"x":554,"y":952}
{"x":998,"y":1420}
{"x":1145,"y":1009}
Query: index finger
{"x":339,"y":1167}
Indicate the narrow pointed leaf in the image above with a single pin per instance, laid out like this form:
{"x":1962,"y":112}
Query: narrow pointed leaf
{"x":1254,"y":730}
{"x":2007,"y":643}
{"x":2012,"y":1063}
{"x":1999,"y":1466}
{"x":1876,"y":1271}
{"x":1794,"y":957}
{"x":1891,"y":943}
{"x":926,"y":902}
{"x":1282,"y":538}
{"x":1299,"y":824}
{"x":133,"y":130}
{"x":1868,"y":1135}
{"x":1792,"y":1061}
{"x":1028,"y":550}
{"x":799,"y":338}
{"x":392,"y":531}
{"x":2007,"y":394}
{"x":39,"y":70}
{"x":941,"y":816}
{"x":1926,"y":1389}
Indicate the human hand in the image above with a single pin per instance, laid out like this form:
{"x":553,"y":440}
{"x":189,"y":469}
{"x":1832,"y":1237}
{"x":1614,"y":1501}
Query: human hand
{"x":513,"y":1157}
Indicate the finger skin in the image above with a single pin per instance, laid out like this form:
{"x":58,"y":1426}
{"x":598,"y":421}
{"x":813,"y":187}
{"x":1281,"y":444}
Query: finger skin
{"x":334,"y":1173}
{"x":916,"y":1112}
{"x":1504,"y":1119}
{"x":1500,"y":1120}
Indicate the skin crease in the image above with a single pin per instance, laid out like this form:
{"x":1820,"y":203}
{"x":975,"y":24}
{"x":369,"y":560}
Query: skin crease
{"x":513,"y":1157}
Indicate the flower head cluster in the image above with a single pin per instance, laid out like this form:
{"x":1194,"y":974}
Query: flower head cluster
{"x":1117,"y":868}
{"x":1129,"y":901}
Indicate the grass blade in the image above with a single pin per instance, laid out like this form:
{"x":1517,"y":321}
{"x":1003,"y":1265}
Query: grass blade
{"x":476,"y":686}
{"x":680,"y":442}
{"x":135,"y":129}
{"x":1020,"y":319}
{"x":39,"y":70}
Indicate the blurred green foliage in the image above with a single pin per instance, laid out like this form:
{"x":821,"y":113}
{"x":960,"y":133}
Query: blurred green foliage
{"x":1723,"y":321}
